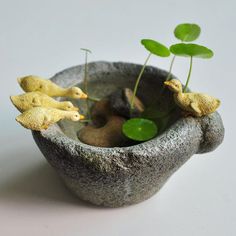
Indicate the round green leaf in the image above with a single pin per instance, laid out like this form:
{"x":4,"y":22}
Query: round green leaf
{"x":139,"y":129}
{"x":187,"y":32}
{"x":191,"y":50}
{"x":155,"y":48}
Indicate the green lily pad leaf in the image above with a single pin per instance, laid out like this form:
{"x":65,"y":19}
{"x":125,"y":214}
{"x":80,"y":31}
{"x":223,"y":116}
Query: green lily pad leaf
{"x":155,"y":48}
{"x":191,"y":50}
{"x":187,"y":32}
{"x":139,"y":129}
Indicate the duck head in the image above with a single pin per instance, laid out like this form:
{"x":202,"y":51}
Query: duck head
{"x":68,"y":106}
{"x":77,"y":93}
{"x":174,"y":85}
{"x":73,"y":115}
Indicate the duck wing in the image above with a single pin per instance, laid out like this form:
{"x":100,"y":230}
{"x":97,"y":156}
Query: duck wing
{"x":206,"y":103}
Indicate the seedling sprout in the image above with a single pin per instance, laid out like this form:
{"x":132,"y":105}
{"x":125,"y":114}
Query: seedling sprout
{"x":153,"y":47}
{"x":140,"y":129}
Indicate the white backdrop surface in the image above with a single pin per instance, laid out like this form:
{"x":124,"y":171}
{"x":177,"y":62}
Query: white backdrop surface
{"x":44,"y":37}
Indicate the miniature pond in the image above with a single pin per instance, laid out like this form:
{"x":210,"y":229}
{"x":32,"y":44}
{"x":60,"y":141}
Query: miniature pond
{"x":150,"y":92}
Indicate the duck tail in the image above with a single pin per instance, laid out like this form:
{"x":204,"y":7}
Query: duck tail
{"x":19,"y":119}
{"x":13,"y":99}
{"x":19,"y":80}
{"x":217,"y":103}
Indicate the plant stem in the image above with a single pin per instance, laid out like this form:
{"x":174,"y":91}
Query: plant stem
{"x":86,"y":73}
{"x":167,"y":78}
{"x":86,"y":81}
{"x":93,"y":99}
{"x":85,"y":121}
{"x":171,"y":65}
{"x":137,"y":82}
{"x":189,"y":74}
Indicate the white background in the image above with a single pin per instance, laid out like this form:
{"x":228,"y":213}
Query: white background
{"x":43,"y":37}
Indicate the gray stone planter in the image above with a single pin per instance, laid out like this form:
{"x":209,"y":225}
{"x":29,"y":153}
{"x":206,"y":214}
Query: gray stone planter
{"x":121,"y":176}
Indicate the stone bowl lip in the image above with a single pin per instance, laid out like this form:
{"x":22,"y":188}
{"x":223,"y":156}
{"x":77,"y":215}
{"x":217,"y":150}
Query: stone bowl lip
{"x":56,"y":136}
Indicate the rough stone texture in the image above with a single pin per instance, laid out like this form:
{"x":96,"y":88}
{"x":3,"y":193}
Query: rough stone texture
{"x":124,"y":175}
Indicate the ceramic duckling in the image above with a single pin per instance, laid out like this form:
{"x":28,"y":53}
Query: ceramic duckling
{"x":196,"y":104}
{"x":39,"y":118}
{"x":35,"y":83}
{"x":29,"y":100}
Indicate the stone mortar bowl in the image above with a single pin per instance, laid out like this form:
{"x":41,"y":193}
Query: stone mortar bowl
{"x":122,"y":176}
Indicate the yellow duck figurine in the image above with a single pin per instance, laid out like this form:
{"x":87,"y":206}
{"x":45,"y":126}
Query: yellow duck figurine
{"x":29,"y":100}
{"x":40,"y":118}
{"x":196,"y":104}
{"x":35,"y":83}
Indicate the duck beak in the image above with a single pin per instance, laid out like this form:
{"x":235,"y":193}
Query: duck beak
{"x":84,"y":96}
{"x":82,"y":117}
{"x":75,"y":109}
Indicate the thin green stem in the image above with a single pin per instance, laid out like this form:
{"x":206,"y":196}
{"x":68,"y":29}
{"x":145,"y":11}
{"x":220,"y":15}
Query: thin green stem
{"x":171,"y":66}
{"x":137,"y":82}
{"x":86,"y":79}
{"x":93,"y":99}
{"x":189,"y":74}
{"x":167,"y":78}
{"x":86,"y":73}
{"x":85,"y":121}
